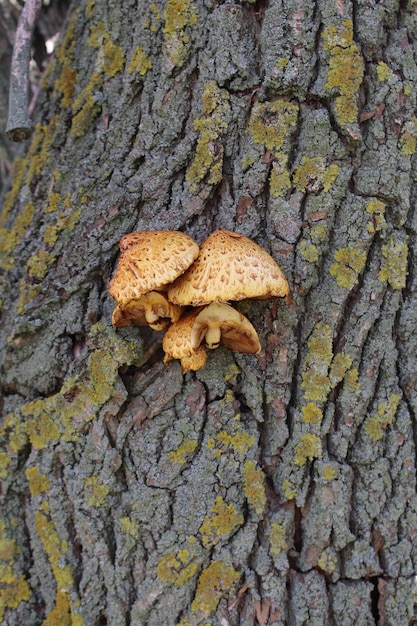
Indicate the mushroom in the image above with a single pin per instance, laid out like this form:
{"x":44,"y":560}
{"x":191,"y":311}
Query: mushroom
{"x":152,"y":309}
{"x":229,"y":267}
{"x":148,"y":261}
{"x":177,"y":344}
{"x":221,"y":323}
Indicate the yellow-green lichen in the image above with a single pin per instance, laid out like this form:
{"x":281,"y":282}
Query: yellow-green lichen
{"x":152,"y":23}
{"x":56,"y":550}
{"x":7,"y":546}
{"x":5,"y":460}
{"x":183,"y":452}
{"x":208,"y":159}
{"x":97,"y":35}
{"x":329,"y":473}
{"x":383,"y":71}
{"x":313,"y":174}
{"x":279,"y":178}
{"x":177,"y":568}
{"x":254,"y":486}
{"x":312,"y":414}
{"x":346,"y":70}
{"x":394,"y":263}
{"x":282,"y":62}
{"x":315,"y":379}
{"x":50,"y":235}
{"x":114,"y":59}
{"x":65,"y":85}
{"x":62,"y":415}
{"x":271,"y":123}
{"x":229,"y":398}
{"x":38,"y":483}
{"x":328,"y":560}
{"x":41,"y":429}
{"x":231,"y":373}
{"x":103,"y":369}
{"x":308,"y":448}
{"x":309,"y":252}
{"x":376,"y":208}
{"x":25,"y":169}
{"x":351,"y":378}
{"x":349,"y":263}
{"x":10,"y":238}
{"x":131,"y":527}
{"x":13,"y":430}
{"x":52,"y":203}
{"x":214,"y":582}
{"x":277,"y":538}
{"x":376,"y":424}
{"x":65,"y":48}
{"x":139,"y":62}
{"x":86,"y":108}
{"x":247,"y":161}
{"x":241,"y":441}
{"x":13,"y":590}
{"x":95,"y":491}
{"x":180,"y":16}
{"x":18,"y":174}
{"x":40,"y":151}
{"x":89,"y":9}
{"x":289,"y":489}
{"x":221,"y":523}
{"x":341,"y":363}
{"x":60,"y":614}
{"x":321,"y":371}
{"x":318,"y":233}
{"x":38,"y":264}
{"x":408,"y":139}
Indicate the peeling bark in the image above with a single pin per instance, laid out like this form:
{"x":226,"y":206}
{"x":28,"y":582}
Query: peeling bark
{"x":273,"y":489}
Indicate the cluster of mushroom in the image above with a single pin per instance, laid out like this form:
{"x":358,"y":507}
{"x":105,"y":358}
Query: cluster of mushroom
{"x":160,"y":273}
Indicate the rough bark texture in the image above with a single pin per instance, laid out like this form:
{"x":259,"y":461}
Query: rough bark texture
{"x":278,"y":489}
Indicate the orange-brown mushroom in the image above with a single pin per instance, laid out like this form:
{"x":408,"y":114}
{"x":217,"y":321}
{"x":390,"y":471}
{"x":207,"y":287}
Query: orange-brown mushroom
{"x":229,"y":267}
{"x":152,"y":309}
{"x":221,"y":323}
{"x":177,"y":344}
{"x":149,"y":260}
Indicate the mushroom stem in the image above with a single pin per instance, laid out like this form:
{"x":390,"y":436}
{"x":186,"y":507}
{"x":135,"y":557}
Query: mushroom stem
{"x":213,"y":337}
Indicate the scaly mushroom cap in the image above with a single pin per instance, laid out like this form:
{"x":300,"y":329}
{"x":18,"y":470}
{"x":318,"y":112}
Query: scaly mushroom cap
{"x":148,"y":261}
{"x":220,"y":323}
{"x":229,"y":267}
{"x":153,"y":309}
{"x":177,"y":344}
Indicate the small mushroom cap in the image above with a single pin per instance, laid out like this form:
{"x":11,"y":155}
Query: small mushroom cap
{"x":221,"y":323}
{"x":177,"y":344}
{"x":149,"y":260}
{"x":229,"y":267}
{"x":153,"y":309}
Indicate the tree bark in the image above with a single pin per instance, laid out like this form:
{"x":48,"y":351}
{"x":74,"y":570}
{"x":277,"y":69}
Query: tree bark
{"x":273,"y":489}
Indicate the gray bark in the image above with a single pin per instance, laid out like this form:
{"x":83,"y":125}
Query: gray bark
{"x":276,"y":489}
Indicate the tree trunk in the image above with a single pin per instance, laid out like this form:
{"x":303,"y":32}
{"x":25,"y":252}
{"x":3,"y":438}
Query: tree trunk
{"x":275,"y":489}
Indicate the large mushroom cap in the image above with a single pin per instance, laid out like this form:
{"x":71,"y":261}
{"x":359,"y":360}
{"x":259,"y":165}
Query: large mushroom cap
{"x":152,"y":309}
{"x":221,"y":323}
{"x":149,"y":260}
{"x":177,"y":344}
{"x":229,"y":267}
